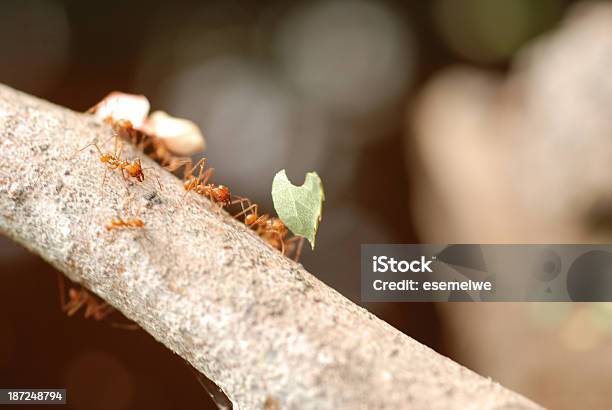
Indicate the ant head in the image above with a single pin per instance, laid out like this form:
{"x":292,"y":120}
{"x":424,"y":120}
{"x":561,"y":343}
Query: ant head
{"x":123,"y":124}
{"x":140,"y":176}
{"x":106,"y":158}
{"x":135,"y":170}
{"x":278,"y":225}
{"x":123,"y":127}
{"x":73,"y":294}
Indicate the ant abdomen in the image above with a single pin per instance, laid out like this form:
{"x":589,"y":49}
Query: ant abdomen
{"x":250,"y":219}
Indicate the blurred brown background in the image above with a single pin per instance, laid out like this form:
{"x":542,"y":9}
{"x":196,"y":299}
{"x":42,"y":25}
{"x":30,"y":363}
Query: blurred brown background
{"x":425,"y":123}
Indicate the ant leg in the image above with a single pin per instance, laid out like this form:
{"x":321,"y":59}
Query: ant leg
{"x":203,"y":175}
{"x":245,"y":210}
{"x":234,"y":199}
{"x":259,"y":221}
{"x":188,"y":177}
{"x":101,"y":310}
{"x":217,"y":206}
{"x":104,"y":178}
{"x":96,"y":309}
{"x":62,"y":291}
{"x":206,"y":176}
{"x":185,"y":195}
{"x":262,"y":219}
{"x":243,"y":200}
{"x":172,"y":163}
{"x":90,"y":308}
{"x":74,"y":306}
{"x":298,"y":249}
{"x":201,"y":171}
{"x":283,"y":249}
{"x":139,"y":139}
{"x":175,"y":164}
{"x":201,"y":163}
{"x":282,"y":242}
{"x":259,"y":224}
{"x":126,"y":178}
{"x":126,"y":208}
{"x":119,"y":151}
{"x":188,"y":187}
{"x":156,"y":176}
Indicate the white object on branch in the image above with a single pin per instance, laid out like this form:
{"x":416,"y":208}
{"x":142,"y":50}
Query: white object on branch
{"x":181,"y":136}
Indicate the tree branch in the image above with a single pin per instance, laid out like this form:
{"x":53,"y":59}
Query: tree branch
{"x":253,"y":321}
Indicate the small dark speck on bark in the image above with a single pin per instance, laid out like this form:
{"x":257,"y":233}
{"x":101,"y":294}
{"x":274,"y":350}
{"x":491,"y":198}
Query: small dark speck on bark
{"x":153,"y":199}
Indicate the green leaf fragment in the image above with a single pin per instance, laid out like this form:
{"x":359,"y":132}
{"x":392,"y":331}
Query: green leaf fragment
{"x":299,"y":207}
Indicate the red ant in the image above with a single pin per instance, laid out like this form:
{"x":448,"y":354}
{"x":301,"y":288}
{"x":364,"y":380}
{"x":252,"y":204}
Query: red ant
{"x":94,"y":307}
{"x":271,"y":229}
{"x":79,"y":298}
{"x":125,"y":129}
{"x":118,"y":223}
{"x":117,"y":107}
{"x":132,"y":168}
{"x":159,"y":152}
{"x":217,"y":193}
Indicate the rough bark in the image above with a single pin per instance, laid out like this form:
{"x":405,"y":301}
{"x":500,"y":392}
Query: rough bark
{"x":253,"y":321}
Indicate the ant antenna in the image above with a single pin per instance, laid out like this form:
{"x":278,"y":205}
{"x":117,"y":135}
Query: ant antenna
{"x":87,"y":146}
